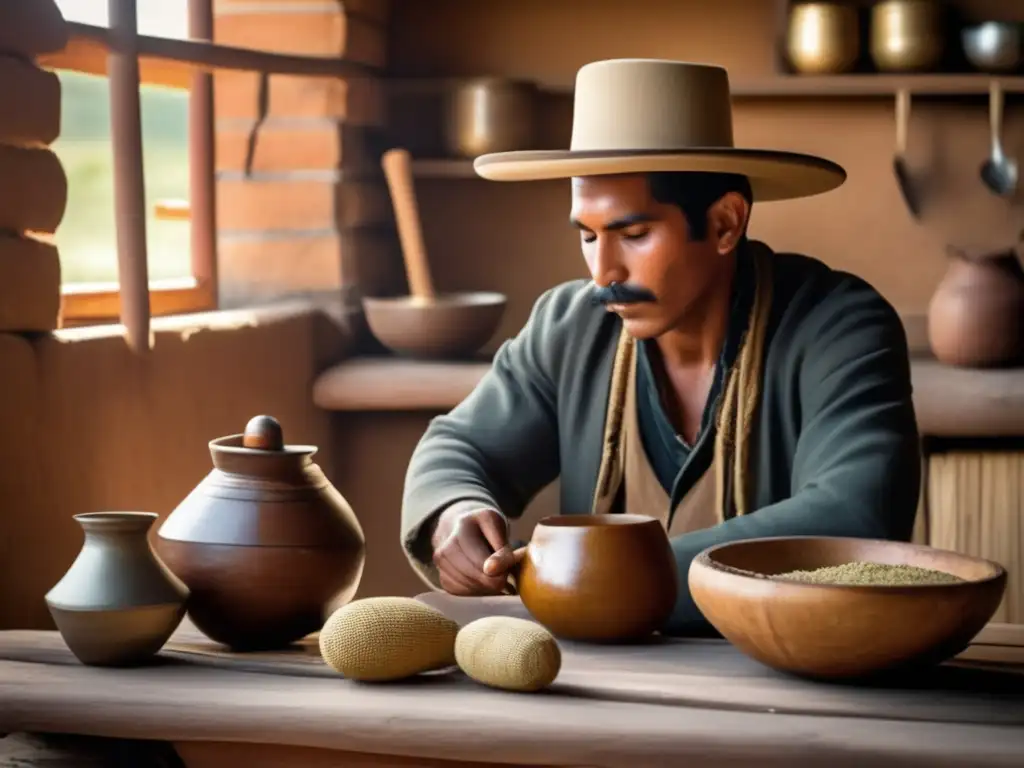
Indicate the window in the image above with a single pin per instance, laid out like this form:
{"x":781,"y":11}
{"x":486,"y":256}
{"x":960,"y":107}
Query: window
{"x":86,"y":237}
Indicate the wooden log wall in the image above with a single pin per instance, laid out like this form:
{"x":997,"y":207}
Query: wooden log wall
{"x":33,"y":186}
{"x":302,"y":207}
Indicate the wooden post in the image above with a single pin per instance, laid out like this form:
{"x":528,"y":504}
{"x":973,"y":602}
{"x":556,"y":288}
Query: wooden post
{"x":202,"y":182}
{"x":129,"y":186}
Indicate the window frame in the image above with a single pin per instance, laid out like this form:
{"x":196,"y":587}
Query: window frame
{"x":183,"y":64}
{"x":87,"y":51}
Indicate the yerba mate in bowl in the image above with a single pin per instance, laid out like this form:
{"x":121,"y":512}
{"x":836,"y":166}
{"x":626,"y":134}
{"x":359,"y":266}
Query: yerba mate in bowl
{"x":843,"y":607}
{"x":870,"y":575}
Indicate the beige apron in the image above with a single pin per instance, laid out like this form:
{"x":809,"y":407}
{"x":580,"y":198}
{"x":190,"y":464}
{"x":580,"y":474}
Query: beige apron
{"x":626,"y":475}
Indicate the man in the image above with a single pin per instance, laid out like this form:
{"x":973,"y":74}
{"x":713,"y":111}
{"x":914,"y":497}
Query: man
{"x":700,"y":378}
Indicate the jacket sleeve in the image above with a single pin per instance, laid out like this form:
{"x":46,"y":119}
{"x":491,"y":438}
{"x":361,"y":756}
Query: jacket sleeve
{"x":857,"y":467}
{"x":497,"y":448}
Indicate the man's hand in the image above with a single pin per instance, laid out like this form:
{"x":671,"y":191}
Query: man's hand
{"x":472,"y":553}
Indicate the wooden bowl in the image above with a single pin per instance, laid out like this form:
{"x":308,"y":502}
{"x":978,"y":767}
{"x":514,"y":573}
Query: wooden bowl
{"x":447,"y":326}
{"x":599,"y":578}
{"x":842,"y":631}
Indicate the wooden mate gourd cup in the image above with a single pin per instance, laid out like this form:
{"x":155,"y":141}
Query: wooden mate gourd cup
{"x":842,"y":631}
{"x":425,"y":323}
{"x":598,"y":578}
{"x":265,"y":543}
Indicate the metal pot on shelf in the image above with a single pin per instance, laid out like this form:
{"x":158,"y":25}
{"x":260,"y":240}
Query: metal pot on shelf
{"x":822,"y":38}
{"x":994,"y":46}
{"x":907,"y":35}
{"x":490,"y":114}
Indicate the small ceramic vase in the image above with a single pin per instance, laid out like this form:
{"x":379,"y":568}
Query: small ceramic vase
{"x":265,"y":543}
{"x":118,"y":603}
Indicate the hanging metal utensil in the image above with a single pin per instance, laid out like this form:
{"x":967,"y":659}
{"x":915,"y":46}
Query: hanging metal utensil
{"x":999,"y":172}
{"x":899,"y":163}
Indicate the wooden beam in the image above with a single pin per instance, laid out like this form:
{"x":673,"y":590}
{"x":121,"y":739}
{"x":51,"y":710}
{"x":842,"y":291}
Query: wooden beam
{"x":171,"y":62}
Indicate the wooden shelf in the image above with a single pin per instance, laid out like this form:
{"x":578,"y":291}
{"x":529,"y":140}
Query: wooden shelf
{"x":396,"y":384}
{"x":800,"y":86}
{"x":950,"y":402}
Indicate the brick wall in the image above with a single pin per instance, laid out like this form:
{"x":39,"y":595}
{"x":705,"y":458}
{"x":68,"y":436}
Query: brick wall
{"x":302,"y":207}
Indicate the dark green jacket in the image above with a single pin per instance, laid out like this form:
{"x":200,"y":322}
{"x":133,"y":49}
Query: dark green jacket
{"x":836,"y":448}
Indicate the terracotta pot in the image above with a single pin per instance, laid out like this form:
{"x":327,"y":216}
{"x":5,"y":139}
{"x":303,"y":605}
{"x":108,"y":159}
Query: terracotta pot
{"x":118,"y":603}
{"x":599,"y":578}
{"x":831,"y":631}
{"x":976,"y":316}
{"x":266,"y":544}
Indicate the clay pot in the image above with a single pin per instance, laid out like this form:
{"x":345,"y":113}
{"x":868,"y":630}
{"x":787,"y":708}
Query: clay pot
{"x":118,"y":603}
{"x":976,"y":316}
{"x":266,"y":544}
{"x":598,"y":578}
{"x":842,"y":631}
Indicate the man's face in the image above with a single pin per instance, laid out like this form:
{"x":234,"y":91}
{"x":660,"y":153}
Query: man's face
{"x":644,"y":248}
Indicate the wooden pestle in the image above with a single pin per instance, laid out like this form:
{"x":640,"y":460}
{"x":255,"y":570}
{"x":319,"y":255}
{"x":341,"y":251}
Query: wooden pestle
{"x":398,"y":173}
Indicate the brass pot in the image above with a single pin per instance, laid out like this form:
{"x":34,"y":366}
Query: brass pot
{"x":822,"y":38}
{"x":907,"y":35}
{"x":490,"y":114}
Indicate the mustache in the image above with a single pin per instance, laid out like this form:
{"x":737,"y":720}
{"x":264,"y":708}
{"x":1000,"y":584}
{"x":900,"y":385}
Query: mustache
{"x":622,"y":293}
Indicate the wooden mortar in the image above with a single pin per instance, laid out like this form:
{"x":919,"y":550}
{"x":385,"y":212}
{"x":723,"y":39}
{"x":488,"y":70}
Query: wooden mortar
{"x":425,"y":323}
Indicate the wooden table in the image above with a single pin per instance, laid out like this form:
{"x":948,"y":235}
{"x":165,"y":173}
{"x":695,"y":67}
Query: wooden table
{"x":696,"y":703}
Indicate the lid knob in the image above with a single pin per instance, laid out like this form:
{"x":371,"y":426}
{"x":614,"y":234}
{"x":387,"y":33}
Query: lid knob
{"x":263,"y":433}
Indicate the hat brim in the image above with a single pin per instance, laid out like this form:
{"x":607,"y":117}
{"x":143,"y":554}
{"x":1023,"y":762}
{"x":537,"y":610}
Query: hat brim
{"x":773,"y":175}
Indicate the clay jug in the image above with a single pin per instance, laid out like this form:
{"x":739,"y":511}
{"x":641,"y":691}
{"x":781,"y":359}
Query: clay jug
{"x":118,"y":603}
{"x":265,"y":543}
{"x":976,"y":316}
{"x":571,"y":578}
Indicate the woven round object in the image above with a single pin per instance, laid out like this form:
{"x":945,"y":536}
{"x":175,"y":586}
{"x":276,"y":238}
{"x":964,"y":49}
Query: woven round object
{"x":387,"y":638}
{"x":509,"y":653}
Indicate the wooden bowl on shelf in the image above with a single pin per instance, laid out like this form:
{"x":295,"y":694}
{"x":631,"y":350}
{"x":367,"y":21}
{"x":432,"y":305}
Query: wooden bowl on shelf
{"x":834,"y":631}
{"x":426,"y":323}
{"x":451,"y":325}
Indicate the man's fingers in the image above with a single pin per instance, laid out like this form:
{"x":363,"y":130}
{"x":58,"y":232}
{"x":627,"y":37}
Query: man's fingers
{"x":492,"y":526}
{"x":453,"y":585}
{"x":471,"y":541}
{"x":500,"y":563}
{"x":456,"y":562}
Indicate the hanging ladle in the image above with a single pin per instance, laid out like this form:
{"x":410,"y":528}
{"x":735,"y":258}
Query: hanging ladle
{"x":899,"y":163}
{"x":999,"y":172}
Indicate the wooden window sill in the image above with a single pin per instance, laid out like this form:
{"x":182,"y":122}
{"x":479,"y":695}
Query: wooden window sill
{"x":191,"y":323}
{"x":89,"y":304}
{"x":950,"y":402}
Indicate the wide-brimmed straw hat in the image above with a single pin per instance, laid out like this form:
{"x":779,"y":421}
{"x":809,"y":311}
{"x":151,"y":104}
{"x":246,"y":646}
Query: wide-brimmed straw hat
{"x":644,"y":115}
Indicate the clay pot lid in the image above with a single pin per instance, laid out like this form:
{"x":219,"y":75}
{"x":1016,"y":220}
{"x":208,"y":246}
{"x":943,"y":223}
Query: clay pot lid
{"x":262,"y":436}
